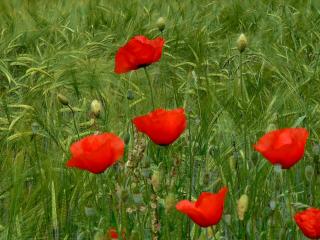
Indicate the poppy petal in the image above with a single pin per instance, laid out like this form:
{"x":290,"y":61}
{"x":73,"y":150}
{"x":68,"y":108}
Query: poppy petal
{"x":163,"y":127}
{"x":284,"y":146}
{"x":194,"y":213}
{"x":138,"y":52}
{"x":207,"y":210}
{"x":95,"y":153}
{"x":309,"y":222}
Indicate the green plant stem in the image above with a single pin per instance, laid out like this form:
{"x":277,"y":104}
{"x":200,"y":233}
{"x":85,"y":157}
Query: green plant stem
{"x":191,"y":163}
{"x":74,"y":121}
{"x":150,"y":86}
{"x":241,"y":80}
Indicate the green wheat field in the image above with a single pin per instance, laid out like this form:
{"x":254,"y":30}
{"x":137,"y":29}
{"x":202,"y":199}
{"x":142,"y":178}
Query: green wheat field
{"x":231,"y":99}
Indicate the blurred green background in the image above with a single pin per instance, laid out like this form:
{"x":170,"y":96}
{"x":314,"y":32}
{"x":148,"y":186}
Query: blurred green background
{"x":68,"y":47}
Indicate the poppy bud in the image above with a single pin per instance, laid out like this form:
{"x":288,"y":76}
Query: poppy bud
{"x":63,"y":99}
{"x":126,"y":138}
{"x":272,"y":205}
{"x":206,"y":179}
{"x":242,"y":42}
{"x":232,"y":164}
{"x":277,"y":168}
{"x":309,"y":172}
{"x":227,"y":219}
{"x":146,"y":172}
{"x":155,"y":181}
{"x":96,"y":108}
{"x":316,"y":149}
{"x":137,"y":198}
{"x":35,"y":127}
{"x":89,"y":212}
{"x":130,"y":95}
{"x":161,"y":24}
{"x":242,"y":206}
{"x":170,"y":202}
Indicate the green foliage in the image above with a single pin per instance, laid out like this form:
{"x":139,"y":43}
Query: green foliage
{"x":68,"y":47}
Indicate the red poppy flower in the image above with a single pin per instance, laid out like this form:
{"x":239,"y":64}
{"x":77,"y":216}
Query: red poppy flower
{"x":112,"y":233}
{"x":207,"y":210}
{"x":138,"y":52}
{"x":284,"y":147}
{"x":309,"y":222}
{"x":95,"y":153}
{"x":162,"y":126}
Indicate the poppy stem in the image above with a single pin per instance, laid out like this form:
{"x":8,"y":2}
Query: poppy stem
{"x":74,"y":120}
{"x":241,"y":80}
{"x":150,"y":85}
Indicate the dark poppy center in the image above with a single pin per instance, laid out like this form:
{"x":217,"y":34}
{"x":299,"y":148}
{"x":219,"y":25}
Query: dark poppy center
{"x":143,"y":65}
{"x":164,"y":145}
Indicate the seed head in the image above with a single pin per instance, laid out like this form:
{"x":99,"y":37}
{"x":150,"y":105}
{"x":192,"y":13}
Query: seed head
{"x":96,"y":108}
{"x":242,"y":206}
{"x":242,"y":42}
{"x":155,"y":181}
{"x":170,"y":202}
{"x":161,"y":24}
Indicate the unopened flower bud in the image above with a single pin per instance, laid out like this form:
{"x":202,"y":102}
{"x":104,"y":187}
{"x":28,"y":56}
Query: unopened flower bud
{"x":155,"y":181}
{"x":272,"y":205}
{"x":96,"y":108}
{"x":126,"y":138}
{"x":170,"y":202}
{"x":35,"y":127}
{"x":309,"y":172}
{"x":277,"y":168}
{"x":137,"y":198}
{"x":161,"y":24}
{"x":316,"y":149}
{"x":227,"y":218}
{"x":130,"y":95}
{"x":63,"y":99}
{"x":232,"y":163}
{"x":242,"y":42}
{"x":242,"y":206}
{"x":89,"y":212}
{"x":206,"y":179}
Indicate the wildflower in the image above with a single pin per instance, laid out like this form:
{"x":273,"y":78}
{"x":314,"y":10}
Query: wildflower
{"x":162,"y":126}
{"x":242,"y":42}
{"x":95,"y":153}
{"x":138,"y":52}
{"x":309,"y":222}
{"x":284,"y":147}
{"x":207,"y":210}
{"x":112,"y":233}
